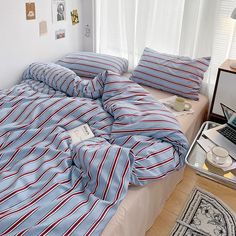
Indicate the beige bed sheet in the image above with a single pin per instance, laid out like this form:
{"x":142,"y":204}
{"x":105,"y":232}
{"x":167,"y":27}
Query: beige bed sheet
{"x":142,"y":205}
{"x":189,"y":123}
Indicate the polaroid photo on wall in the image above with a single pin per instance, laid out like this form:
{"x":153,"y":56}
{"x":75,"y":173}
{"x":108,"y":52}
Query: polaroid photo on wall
{"x":60,"y":34}
{"x":30,"y":11}
{"x":43,"y":28}
{"x":74,"y":17}
{"x":58,"y":10}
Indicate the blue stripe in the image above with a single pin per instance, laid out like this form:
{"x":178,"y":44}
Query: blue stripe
{"x":48,"y":185}
{"x":175,"y":74}
{"x":89,"y":64}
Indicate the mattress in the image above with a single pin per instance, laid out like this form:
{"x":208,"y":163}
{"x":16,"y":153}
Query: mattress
{"x":142,"y":205}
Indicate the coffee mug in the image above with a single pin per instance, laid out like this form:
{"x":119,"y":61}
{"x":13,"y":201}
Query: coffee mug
{"x":181,"y":105}
{"x":219,"y":155}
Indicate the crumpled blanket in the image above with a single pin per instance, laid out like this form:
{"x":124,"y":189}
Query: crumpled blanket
{"x":50,"y":186}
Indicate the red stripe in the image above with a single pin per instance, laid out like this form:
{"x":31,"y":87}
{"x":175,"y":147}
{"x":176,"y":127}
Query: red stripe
{"x":111,"y":100}
{"x":202,"y":62}
{"x":200,"y":75}
{"x":62,"y":140}
{"x":4,"y":145}
{"x":81,"y":115}
{"x":111,"y":173}
{"x":97,"y":121}
{"x":157,"y":177}
{"x":88,"y":60}
{"x":92,"y":81}
{"x":25,"y":108}
{"x":6,"y":116}
{"x":55,"y":112}
{"x":164,"y":86}
{"x":148,"y":146}
{"x":32,"y":171}
{"x":16,"y":172}
{"x":117,"y":196}
{"x":70,"y":112}
{"x":10,"y":159}
{"x":67,"y":199}
{"x":119,"y":82}
{"x":160,"y":163}
{"x":43,"y":111}
{"x":84,"y":73}
{"x":115,"y":60}
{"x":65,"y":79}
{"x":50,"y":227}
{"x":135,"y":145}
{"x":43,"y":194}
{"x":18,"y":222}
{"x":62,"y":203}
{"x":141,"y":130}
{"x":147,"y":114}
{"x":171,"y":74}
{"x":89,"y":66}
{"x":75,"y":225}
{"x":154,"y":153}
{"x":75,"y":185}
{"x":31,"y":138}
{"x":114,"y":90}
{"x":30,"y":112}
{"x":52,"y":178}
{"x":71,"y":82}
{"x":29,"y":184}
{"x":127,"y":140}
{"x":165,"y":79}
{"x":27,"y":205}
{"x":174,"y":61}
{"x":62,"y":77}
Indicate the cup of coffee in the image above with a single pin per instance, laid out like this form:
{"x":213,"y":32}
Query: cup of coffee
{"x":181,"y":105}
{"x":219,"y":155}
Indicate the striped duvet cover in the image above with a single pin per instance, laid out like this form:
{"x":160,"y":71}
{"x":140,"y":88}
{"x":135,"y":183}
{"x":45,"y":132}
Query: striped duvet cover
{"x":51,"y":187}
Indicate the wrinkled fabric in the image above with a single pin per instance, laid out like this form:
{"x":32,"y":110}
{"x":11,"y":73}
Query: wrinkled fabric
{"x":48,"y":185}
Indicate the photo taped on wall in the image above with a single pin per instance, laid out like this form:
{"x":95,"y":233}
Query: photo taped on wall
{"x":58,"y":10}
{"x":30,"y":11}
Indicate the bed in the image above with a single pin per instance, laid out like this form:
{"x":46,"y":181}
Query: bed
{"x":141,"y":206}
{"x":49,"y":186}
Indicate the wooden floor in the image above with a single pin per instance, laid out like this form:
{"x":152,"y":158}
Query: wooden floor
{"x":165,"y":222}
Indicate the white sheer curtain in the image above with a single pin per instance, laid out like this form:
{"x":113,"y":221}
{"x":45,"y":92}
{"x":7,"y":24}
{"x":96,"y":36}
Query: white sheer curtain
{"x":125,"y":27}
{"x":192,"y":28}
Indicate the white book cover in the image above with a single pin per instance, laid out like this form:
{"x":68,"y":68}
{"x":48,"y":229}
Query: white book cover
{"x":81,"y":133}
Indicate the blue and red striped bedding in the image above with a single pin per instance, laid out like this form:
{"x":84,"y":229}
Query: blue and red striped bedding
{"x":175,"y":74}
{"x":51,"y":187}
{"x":90,"y":64}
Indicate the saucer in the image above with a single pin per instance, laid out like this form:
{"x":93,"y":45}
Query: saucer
{"x":228,"y":161}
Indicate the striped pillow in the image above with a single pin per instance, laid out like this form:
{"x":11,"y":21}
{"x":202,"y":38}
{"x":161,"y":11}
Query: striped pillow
{"x":174,"y":74}
{"x":90,"y":64}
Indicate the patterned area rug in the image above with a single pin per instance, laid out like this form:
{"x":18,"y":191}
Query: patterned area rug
{"x":204,"y":214}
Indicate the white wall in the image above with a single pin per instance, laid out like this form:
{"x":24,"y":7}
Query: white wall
{"x":88,"y":19}
{"x":20,"y":43}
